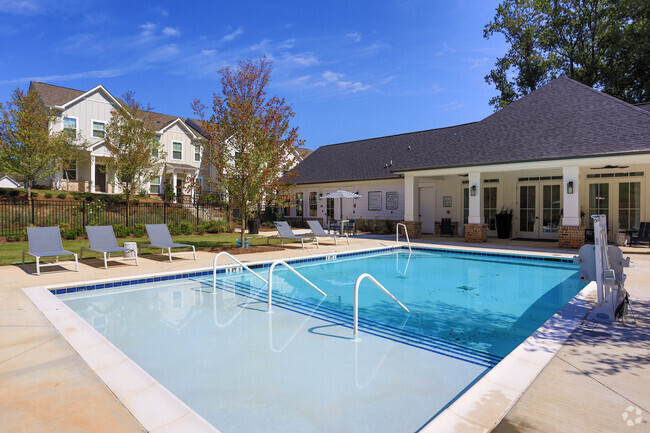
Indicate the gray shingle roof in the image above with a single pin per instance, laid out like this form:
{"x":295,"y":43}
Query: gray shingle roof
{"x":56,"y":95}
{"x":563,"y":119}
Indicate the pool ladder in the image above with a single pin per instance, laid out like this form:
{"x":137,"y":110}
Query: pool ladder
{"x":285,"y":264}
{"x":355,"y":331}
{"x":230,"y":256}
{"x":406,"y":232}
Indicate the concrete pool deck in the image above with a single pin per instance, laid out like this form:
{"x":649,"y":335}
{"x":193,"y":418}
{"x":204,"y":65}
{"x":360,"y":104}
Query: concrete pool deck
{"x":46,"y":386}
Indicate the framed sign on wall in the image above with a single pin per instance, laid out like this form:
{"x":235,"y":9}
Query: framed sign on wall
{"x":392,"y":200}
{"x":446,"y":201}
{"x":374,"y":200}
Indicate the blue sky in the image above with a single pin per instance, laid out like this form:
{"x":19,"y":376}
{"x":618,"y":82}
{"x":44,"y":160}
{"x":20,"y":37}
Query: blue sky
{"x":351,"y":69}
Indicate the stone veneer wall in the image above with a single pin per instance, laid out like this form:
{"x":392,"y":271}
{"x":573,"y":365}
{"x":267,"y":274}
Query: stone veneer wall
{"x":414,"y":228}
{"x":572,"y":236}
{"x":476,"y":232}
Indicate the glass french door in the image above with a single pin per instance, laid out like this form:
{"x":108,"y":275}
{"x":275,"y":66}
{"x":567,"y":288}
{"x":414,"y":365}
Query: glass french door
{"x":540,"y":208}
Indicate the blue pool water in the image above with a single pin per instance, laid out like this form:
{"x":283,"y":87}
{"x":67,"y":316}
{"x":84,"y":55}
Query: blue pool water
{"x":297,"y":368}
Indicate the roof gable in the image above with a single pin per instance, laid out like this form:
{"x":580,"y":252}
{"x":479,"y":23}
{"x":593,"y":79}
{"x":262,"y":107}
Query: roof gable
{"x":563,"y":119}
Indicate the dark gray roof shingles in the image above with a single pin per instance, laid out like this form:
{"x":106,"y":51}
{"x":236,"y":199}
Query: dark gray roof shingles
{"x":563,"y":119}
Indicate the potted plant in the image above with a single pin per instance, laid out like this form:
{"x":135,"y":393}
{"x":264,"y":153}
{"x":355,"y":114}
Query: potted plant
{"x":504,"y":223}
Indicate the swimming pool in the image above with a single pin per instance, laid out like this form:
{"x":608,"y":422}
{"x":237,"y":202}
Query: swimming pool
{"x":297,"y":369}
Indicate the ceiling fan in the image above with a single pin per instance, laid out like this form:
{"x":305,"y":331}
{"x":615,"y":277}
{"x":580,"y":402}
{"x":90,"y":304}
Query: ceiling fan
{"x":609,"y":166}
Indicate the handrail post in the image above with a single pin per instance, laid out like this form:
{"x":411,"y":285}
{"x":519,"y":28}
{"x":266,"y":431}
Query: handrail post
{"x":282,"y":262}
{"x":406,"y":232}
{"x":355,"y":331}
{"x":214,"y":269}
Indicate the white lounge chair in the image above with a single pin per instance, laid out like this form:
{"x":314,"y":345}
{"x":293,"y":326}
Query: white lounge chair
{"x":102,"y":240}
{"x":46,"y":242}
{"x":318,"y":231}
{"x":159,"y":237}
{"x":285,"y":232}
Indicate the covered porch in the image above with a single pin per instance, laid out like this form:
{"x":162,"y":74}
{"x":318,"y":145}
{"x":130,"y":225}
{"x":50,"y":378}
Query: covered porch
{"x":547,"y":200}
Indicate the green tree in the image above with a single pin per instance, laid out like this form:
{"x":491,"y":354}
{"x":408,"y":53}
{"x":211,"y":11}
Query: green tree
{"x":29,"y":147}
{"x":601,"y":43}
{"x":248,"y":138}
{"x":136,"y":154}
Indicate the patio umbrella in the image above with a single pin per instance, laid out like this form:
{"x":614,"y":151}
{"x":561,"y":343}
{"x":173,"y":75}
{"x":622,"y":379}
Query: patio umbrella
{"x":341,"y":194}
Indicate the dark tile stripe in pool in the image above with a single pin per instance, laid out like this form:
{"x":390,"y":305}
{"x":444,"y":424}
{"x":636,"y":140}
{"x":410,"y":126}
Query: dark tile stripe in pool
{"x":74,"y":289}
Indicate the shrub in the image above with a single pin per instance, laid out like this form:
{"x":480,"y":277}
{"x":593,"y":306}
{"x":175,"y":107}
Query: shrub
{"x":33,"y":194}
{"x":75,"y":195}
{"x":139,"y":230}
{"x":174,"y":230}
{"x":48,"y":195}
{"x":14,"y":238}
{"x":390,"y":226}
{"x":202,"y":228}
{"x":71,"y":234}
{"x":14,"y":193}
{"x":268,"y":224}
{"x":218,"y":226}
{"x":186,"y":228}
{"x":121,"y":231}
{"x":62,"y":195}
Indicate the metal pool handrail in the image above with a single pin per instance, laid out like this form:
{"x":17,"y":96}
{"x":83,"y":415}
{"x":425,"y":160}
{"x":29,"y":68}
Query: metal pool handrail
{"x":214,"y":269}
{"x":282,"y":262}
{"x":406,"y":232}
{"x":356,"y":299}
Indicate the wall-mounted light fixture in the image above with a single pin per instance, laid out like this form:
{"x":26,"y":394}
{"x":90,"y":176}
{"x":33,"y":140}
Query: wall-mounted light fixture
{"x":472,"y":191}
{"x":569,"y":187}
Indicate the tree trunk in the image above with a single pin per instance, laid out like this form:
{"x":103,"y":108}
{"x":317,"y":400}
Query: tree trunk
{"x":243,"y":228}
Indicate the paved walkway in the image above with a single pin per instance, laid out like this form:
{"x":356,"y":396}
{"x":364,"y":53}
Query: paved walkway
{"x":46,"y":387}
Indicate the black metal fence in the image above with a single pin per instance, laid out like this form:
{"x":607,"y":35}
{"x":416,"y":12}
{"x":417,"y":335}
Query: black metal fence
{"x":16,"y":215}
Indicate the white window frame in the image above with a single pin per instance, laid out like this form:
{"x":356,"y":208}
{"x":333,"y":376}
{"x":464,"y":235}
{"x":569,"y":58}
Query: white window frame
{"x":76,"y":123}
{"x":92,"y":128}
{"x":197,"y":152}
{"x":177,"y":142}
{"x":70,"y":170}
{"x":151,"y":183}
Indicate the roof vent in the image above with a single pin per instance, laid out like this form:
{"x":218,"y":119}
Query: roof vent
{"x":409,"y":148}
{"x":454,"y":134}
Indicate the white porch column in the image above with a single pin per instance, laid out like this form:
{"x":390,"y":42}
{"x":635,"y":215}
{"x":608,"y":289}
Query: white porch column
{"x":475,"y":200}
{"x":571,"y":208}
{"x":174,"y":179}
{"x":411,"y":198}
{"x":92,"y":174}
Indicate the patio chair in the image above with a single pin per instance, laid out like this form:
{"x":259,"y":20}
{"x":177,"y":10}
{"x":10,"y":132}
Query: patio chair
{"x":285,"y":232}
{"x":318,"y":231}
{"x":446,"y":228}
{"x":102,"y":240}
{"x":641,"y":236}
{"x":159,"y":237}
{"x":46,"y":242}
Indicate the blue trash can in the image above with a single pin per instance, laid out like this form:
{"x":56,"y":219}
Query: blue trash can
{"x":245,"y":242}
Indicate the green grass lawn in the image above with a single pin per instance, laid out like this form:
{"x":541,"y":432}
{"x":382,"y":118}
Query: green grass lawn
{"x":11,"y":252}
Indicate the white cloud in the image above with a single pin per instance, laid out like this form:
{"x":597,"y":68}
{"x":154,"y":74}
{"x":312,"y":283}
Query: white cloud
{"x":288,"y":44}
{"x":20,"y":7}
{"x":171,"y":31}
{"x":233,"y":35}
{"x":356,"y":36}
{"x":451,"y":106}
{"x":147,"y":29}
{"x":332,"y":76}
{"x":301,"y":59}
{"x":99,"y":73}
{"x":337,"y":80}
{"x":260,"y":46}
{"x":437,"y":89}
{"x":208,"y":52}
{"x":162,"y":12}
{"x":476,"y":63}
